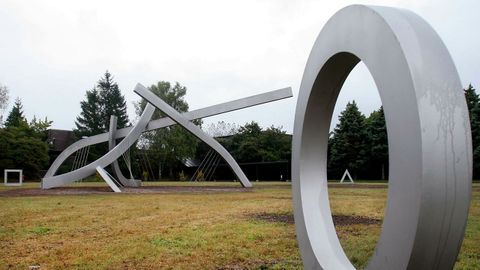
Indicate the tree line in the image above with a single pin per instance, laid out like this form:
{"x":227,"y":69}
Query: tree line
{"x":358,"y":143}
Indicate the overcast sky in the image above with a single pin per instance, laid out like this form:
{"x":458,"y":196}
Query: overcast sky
{"x":51,"y":52}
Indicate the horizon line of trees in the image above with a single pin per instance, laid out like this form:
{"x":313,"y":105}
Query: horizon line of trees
{"x":358,"y":143}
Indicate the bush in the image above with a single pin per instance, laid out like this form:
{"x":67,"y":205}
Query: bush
{"x":20,"y":151}
{"x":182,"y":177}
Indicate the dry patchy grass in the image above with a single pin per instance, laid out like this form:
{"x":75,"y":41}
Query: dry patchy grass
{"x":187,"y":230}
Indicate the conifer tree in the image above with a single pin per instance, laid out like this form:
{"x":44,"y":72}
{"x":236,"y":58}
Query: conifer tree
{"x":377,"y":148}
{"x":89,"y":122}
{"x":104,"y":100}
{"x":473,"y":104}
{"x":348,"y":145}
{"x":15,"y":117}
{"x":112,"y":101}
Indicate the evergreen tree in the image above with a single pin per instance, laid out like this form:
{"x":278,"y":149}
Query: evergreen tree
{"x":348,"y":145}
{"x":90,"y":121}
{"x":377,"y":155}
{"x":104,"y":100}
{"x":112,"y":101}
{"x":473,"y":104}
{"x":15,"y":117}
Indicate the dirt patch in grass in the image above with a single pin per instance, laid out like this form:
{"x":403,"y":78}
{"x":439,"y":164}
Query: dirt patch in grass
{"x":272,"y":217}
{"x":338,"y":220}
{"x":106,"y":190}
{"x":255,"y":264}
{"x":342,"y":220}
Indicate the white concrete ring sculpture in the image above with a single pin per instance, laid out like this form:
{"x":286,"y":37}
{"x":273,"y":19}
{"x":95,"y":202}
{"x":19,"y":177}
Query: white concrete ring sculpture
{"x":428,"y":134}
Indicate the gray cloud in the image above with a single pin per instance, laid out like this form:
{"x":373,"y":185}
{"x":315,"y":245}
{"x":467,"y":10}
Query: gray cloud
{"x":52,"y":51}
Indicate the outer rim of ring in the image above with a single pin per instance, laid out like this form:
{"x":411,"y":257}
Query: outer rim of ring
{"x":428,"y":131}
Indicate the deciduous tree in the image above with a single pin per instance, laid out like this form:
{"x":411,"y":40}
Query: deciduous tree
{"x":169,"y":146}
{"x":22,"y":144}
{"x":3,"y":102}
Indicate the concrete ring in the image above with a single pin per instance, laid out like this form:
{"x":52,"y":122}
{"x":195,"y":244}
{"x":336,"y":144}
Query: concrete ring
{"x":429,"y":138}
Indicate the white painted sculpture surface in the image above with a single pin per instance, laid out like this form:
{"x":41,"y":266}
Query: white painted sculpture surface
{"x":429,"y":139}
{"x":20,"y":177}
{"x":346,"y":175}
{"x":131,"y":134}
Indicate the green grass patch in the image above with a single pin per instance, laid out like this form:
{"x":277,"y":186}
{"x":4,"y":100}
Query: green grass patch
{"x":40,"y":230}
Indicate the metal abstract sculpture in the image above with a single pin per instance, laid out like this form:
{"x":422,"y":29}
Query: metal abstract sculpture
{"x":346,"y":175}
{"x":5,"y":177}
{"x":131,"y":134}
{"x":115,"y":167}
{"x":428,"y":136}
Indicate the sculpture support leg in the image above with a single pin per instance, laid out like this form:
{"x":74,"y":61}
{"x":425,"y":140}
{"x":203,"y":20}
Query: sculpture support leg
{"x":106,"y":177}
{"x":117,"y":172}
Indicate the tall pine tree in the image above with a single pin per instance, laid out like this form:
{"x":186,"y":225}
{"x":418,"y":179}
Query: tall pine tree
{"x":89,"y":122}
{"x":348,"y":144}
{"x":377,"y":149}
{"x":104,"y":100}
{"x":112,"y":101}
{"x":15,"y":117}
{"x":473,"y":104}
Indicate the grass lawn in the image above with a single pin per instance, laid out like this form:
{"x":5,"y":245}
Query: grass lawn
{"x":219,"y":230}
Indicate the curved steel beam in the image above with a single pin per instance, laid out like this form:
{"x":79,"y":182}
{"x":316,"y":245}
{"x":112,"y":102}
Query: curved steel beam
{"x":429,"y":140}
{"x":165,"y":122}
{"x":195,"y":130}
{"x":117,"y":172}
{"x":105,"y":160}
